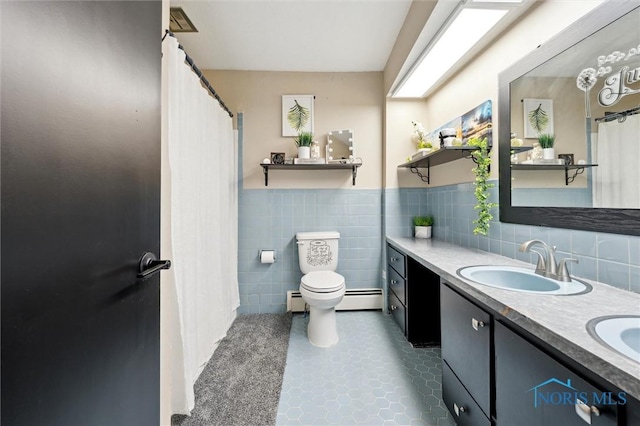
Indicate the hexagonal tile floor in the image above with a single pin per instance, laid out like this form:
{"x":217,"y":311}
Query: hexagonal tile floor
{"x":373,"y":376}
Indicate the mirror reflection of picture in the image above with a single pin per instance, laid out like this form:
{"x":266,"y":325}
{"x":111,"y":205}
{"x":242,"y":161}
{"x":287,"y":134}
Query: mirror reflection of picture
{"x":538,"y":117}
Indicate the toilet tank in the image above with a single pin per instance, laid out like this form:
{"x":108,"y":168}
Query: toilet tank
{"x":317,"y":251}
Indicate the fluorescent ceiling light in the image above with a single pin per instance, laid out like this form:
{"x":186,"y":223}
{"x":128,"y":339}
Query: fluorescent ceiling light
{"x":457,"y":39}
{"x":496,"y":1}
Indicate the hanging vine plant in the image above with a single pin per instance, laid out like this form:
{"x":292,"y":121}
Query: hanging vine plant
{"x":481,"y":171}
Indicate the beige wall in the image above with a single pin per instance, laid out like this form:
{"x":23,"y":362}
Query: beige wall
{"x":478,"y":80}
{"x":343,"y":101}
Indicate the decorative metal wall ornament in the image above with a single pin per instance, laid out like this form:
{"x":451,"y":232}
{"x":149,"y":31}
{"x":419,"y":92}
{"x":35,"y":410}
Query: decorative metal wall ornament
{"x":585,"y":82}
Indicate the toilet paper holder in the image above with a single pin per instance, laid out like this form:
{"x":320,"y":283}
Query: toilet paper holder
{"x":267,"y":256}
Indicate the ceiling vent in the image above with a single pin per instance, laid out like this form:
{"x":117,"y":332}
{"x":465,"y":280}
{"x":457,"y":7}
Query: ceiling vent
{"x":180,"y":22}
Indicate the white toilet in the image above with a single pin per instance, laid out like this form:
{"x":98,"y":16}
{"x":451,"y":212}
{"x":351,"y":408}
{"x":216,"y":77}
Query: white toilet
{"x":321,"y":287}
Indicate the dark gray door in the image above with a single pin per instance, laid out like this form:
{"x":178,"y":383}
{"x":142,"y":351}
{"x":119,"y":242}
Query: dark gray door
{"x":80,"y":199}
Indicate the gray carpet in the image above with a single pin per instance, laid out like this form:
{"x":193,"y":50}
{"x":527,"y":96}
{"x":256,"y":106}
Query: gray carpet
{"x":241,"y":383}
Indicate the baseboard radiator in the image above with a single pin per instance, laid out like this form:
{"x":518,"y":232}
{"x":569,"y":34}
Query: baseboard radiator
{"x":354,"y":300}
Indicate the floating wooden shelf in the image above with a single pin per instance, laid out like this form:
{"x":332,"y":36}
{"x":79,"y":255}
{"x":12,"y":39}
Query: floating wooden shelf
{"x":519,"y":149}
{"x":440,"y":156}
{"x":576,"y":168}
{"x":332,"y":166}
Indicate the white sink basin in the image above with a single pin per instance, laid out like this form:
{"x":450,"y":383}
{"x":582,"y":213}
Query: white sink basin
{"x":521,"y":279}
{"x":620,"y":332}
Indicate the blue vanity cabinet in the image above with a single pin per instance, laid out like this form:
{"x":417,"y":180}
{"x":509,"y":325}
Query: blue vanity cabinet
{"x":466,"y":358}
{"x":414,"y":298}
{"x":532,"y":388}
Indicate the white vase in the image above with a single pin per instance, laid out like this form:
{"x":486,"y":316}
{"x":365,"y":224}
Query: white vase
{"x":423,"y":232}
{"x":548,"y":153}
{"x":304,"y":152}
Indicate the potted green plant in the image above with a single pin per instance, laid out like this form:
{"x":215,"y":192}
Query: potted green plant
{"x":304,"y":142}
{"x":546,"y":142}
{"x":422,"y":225}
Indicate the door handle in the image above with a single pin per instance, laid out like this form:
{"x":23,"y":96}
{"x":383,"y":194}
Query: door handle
{"x":149,"y":265}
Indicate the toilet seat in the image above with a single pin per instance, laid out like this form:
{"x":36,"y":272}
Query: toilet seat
{"x":322,"y":282}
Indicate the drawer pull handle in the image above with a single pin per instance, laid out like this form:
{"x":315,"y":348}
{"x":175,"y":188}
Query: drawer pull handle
{"x":394,"y":259}
{"x":393,"y":307}
{"x":585,"y":411}
{"x":457,"y":409}
{"x":394,"y":281}
{"x":476,"y":324}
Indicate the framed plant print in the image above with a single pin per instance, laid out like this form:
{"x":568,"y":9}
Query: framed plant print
{"x":297,"y":114}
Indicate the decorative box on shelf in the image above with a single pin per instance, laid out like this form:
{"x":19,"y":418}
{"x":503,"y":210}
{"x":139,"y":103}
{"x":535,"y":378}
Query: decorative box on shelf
{"x":309,"y":161}
{"x":543,"y":161}
{"x":421,"y":154}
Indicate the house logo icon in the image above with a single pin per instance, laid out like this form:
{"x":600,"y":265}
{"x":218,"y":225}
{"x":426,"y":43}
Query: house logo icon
{"x":539,"y":396}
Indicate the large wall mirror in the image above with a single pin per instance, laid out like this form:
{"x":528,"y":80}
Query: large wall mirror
{"x":582,"y":87}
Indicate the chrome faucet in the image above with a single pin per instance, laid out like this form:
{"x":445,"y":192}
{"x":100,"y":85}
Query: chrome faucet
{"x":547,"y":265}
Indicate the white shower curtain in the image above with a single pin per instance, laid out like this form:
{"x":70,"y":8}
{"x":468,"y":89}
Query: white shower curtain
{"x":199,"y":228}
{"x":617,"y":175}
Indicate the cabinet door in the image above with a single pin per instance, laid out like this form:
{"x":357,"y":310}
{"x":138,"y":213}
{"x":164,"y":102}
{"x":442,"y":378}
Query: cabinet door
{"x":466,"y":340}
{"x":464,"y":409}
{"x":534,"y":389}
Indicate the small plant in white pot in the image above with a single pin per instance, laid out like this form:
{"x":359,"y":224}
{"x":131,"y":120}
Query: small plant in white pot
{"x":422,"y":225}
{"x":546,"y":142}
{"x":304,"y":142}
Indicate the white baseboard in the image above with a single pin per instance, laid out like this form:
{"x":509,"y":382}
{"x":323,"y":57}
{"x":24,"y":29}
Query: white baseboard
{"x":354,"y":299}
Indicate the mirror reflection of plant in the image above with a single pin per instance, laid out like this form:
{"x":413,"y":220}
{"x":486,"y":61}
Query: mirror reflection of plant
{"x":304,"y":139}
{"x":481,"y":192}
{"x":546,"y":141}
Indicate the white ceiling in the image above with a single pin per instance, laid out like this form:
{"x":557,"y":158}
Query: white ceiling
{"x":293,"y":35}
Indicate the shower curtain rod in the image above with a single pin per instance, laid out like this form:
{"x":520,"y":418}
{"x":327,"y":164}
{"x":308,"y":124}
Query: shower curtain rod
{"x":620,"y":116}
{"x":197,"y":71}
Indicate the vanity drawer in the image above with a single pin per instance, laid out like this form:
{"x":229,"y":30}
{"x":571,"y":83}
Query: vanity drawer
{"x":466,"y":344}
{"x":397,"y":261}
{"x":398,"y":312}
{"x":463,"y":408}
{"x":397,"y":285}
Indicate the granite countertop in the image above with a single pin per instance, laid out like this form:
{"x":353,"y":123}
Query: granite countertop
{"x":558,"y":320}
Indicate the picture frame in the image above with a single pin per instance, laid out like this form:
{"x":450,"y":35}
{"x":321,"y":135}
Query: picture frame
{"x":277,"y":157}
{"x":568,"y":159}
{"x":297,"y":114}
{"x":538,"y":117}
